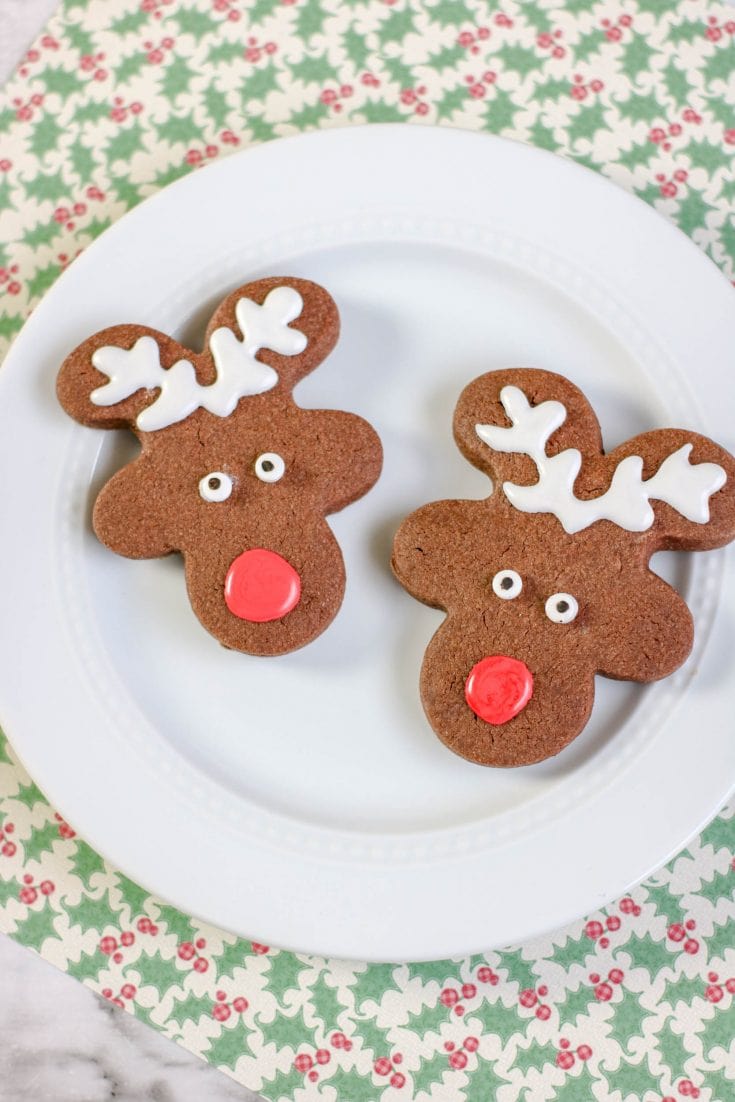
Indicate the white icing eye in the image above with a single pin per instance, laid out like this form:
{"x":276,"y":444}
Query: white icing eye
{"x":269,"y":467}
{"x":215,"y":486}
{"x":561,"y":608}
{"x":507,"y":584}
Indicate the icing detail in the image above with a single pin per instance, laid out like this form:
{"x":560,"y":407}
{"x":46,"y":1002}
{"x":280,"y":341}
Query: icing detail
{"x":215,"y":486}
{"x":498,"y":688}
{"x":239,"y":373}
{"x":261,"y":586}
{"x":507,"y":584}
{"x":685,"y":486}
{"x":269,"y":467}
{"x":561,"y":608}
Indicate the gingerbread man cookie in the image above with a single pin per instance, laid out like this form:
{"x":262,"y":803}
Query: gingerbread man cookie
{"x":232,"y":474}
{"x":547,"y":582}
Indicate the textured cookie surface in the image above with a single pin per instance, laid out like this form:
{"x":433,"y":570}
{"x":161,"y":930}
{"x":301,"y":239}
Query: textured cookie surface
{"x":546,"y":582}
{"x":232,"y":473}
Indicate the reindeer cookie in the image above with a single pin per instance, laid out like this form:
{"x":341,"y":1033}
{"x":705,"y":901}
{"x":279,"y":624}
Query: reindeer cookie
{"x":546,"y":582}
{"x":232,"y":473}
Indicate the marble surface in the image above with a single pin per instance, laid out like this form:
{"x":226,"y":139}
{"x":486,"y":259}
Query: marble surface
{"x":59,"y":1041}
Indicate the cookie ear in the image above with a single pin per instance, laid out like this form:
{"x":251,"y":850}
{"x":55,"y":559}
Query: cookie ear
{"x":127,"y":517}
{"x":309,"y":312}
{"x":83,"y":383}
{"x":503,"y":410}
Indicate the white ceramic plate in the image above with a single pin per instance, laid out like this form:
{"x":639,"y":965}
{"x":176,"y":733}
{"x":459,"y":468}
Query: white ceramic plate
{"x":304,"y":800}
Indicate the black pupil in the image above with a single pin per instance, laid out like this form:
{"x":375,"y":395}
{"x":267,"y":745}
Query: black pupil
{"x":267,"y":465}
{"x":562,"y":606}
{"x":214,"y":483}
{"x":506,"y":582}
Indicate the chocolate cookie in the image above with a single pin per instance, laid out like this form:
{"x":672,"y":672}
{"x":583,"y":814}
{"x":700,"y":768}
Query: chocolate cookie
{"x":232,"y":474}
{"x":547,"y":582}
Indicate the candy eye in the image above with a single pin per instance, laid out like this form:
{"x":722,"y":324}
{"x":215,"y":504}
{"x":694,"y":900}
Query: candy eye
{"x":269,"y":467}
{"x":561,"y":608}
{"x":507,"y":584}
{"x":215,"y":486}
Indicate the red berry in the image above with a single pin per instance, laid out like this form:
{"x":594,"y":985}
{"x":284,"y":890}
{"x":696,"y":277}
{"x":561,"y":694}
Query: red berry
{"x":201,"y":965}
{"x":397,"y":1057}
{"x":615,"y":975}
{"x":221,"y":1012}
{"x":154,"y":929}
{"x":675,"y":129}
{"x":584,"y":1052}
{"x":448,"y":997}
{"x":458,"y":1060}
{"x":338,"y":1040}
{"x":468,"y":990}
{"x":186,"y":950}
{"x":636,"y":910}
{"x":676,"y":932}
{"x":690,"y":924}
{"x":28,"y":895}
{"x":107,"y":992}
{"x":240,"y":1004}
{"x":117,"y":957}
{"x":593,"y":930}
{"x":220,"y":996}
{"x":603,"y":992}
{"x":200,"y":943}
{"x":128,"y":991}
{"x":714,"y":993}
{"x":258,"y":948}
{"x":594,"y":978}
{"x":565,"y":1060}
{"x":108,"y":945}
{"x":626,"y":20}
{"x":398,"y":1080}
{"x":483,"y":33}
{"x":626,"y":905}
{"x":564,"y":1043}
{"x":730,"y":136}
{"x":9,"y":827}
{"x":543,"y":1012}
{"x":681,"y":175}
{"x":144,"y":925}
{"x":528,"y":998}
{"x":465,"y":39}
{"x":730,"y":985}
{"x":471,"y":1044}
{"x":459,"y":1010}
{"x":604,"y":942}
{"x":449,"y":1046}
{"x":127,"y":938}
{"x":691,"y":946}
{"x":686,"y":1086}
{"x":382,"y":1066}
{"x":47,"y":887}
{"x":323,"y":1056}
{"x":485,"y":974}
{"x":303,"y":1062}
{"x":9,"y":849}
{"x":543,"y":990}
{"x":613,"y":922}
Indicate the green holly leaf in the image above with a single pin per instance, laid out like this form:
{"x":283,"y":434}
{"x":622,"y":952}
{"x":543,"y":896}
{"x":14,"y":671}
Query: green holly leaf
{"x":129,"y":23}
{"x":722,"y":884}
{"x":541,"y":135}
{"x":128,"y":192}
{"x":719,"y":942}
{"x":537,"y":18}
{"x":428,"y":1019}
{"x":372,"y":983}
{"x":398,"y":23}
{"x":152,"y":971}
{"x":628,"y":1018}
{"x":225,"y":52}
{"x":77,"y":37}
{"x":9,"y":889}
{"x":176,"y":79}
{"x":234,"y":955}
{"x":519,"y":59}
{"x":441,"y":971}
{"x":82,"y":160}
{"x":284,"y":974}
{"x":59,"y":81}
{"x":42,"y":234}
{"x":374,"y":1038}
{"x":129,"y":67}
{"x":87,"y":968}
{"x":325,"y":1001}
{"x":287,"y":1029}
{"x":665,"y":903}
{"x":260,"y":9}
{"x":722,"y":1088}
{"x":637,"y":58}
{"x":91,"y":913}
{"x":500,"y":112}
{"x":4,"y":744}
{"x":720,"y":66}
{"x":552,"y":90}
{"x":588,"y":45}
{"x":311,"y":16}
{"x":673,"y":1052}
{"x":41,"y":841}
{"x":686,"y":31}
{"x":398,"y":71}
{"x":262,"y":131}
{"x":677,"y":83}
{"x":708,"y":156}
{"x":576,"y":1004}
{"x":198,"y":24}
{"x":261,"y":81}
{"x":578,"y":1086}
{"x":224,"y":1051}
{"x":691,"y":216}
{"x":348,"y":1084}
{"x":282,"y":1086}
{"x":379,"y":112}
{"x":682,"y":990}
{"x":637,"y":155}
{"x":36,"y":928}
{"x":717,"y":1032}
{"x":356,"y":48}
{"x":133,"y":896}
{"x":448,"y":57}
{"x":573,"y":951}
{"x":28,"y":794}
{"x":312,"y":70}
{"x":450,"y":13}
{"x":89,"y":111}
{"x":649,"y":954}
{"x":639,"y":107}
{"x":452,"y":100}
{"x":10,"y":324}
{"x":727,"y":237}
{"x":484,"y":1084}
{"x":179,"y":128}
{"x":125,"y":143}
{"x":535,"y":1055}
{"x":42,"y":280}
{"x":500,"y":1021}
{"x":175,"y":923}
{"x":215,"y":104}
{"x":587,"y":122}
{"x":191,"y":1009}
{"x":97,"y":226}
{"x":431,"y":1071}
{"x":517,"y":968}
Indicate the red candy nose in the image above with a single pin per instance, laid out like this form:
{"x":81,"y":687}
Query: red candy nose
{"x":261,"y":586}
{"x":498,"y":688}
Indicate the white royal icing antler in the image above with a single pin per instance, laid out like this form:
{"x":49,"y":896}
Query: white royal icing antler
{"x":239,"y":373}
{"x":685,"y":486}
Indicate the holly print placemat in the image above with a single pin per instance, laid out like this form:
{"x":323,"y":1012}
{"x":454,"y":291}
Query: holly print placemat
{"x":116,"y":99}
